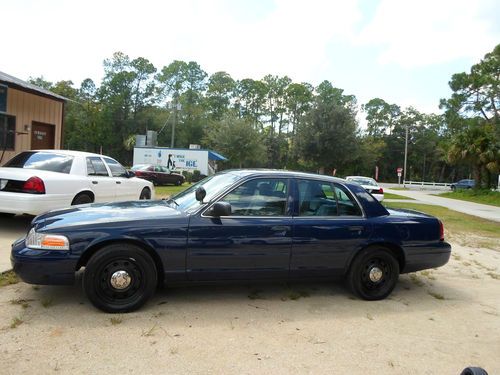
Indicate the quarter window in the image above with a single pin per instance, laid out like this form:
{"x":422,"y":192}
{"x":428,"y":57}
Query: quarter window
{"x":116,"y":168}
{"x":259,"y":197}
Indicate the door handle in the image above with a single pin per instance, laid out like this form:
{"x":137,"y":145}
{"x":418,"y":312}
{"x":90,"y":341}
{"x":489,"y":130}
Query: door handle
{"x":356,"y":228}
{"x":95,"y":182}
{"x":280,"y":228}
{"x":118,"y":182}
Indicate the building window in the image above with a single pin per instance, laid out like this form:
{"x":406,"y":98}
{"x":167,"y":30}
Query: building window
{"x":7,"y":132}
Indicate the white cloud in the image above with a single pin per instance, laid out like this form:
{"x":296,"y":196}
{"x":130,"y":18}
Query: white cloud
{"x":426,"y":32}
{"x":64,"y":39}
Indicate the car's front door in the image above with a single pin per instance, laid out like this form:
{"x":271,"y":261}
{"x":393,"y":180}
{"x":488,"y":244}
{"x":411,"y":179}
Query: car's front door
{"x":125,"y":189}
{"x":102,"y":183}
{"x":328,"y":227}
{"x":253,"y":243}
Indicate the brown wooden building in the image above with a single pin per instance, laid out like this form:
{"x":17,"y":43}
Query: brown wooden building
{"x":31,"y":117}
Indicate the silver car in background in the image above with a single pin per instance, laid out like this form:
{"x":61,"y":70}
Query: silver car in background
{"x":370,"y":185}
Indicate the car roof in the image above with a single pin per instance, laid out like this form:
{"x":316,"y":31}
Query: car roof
{"x":280,"y":172}
{"x":370,"y":178}
{"x":69,"y":152}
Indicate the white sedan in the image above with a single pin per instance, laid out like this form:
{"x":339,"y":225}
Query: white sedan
{"x":370,"y":185}
{"x":34,"y":182}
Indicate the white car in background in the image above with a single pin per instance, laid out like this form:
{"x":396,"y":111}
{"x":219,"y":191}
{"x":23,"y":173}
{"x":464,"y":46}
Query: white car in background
{"x":34,"y":182}
{"x":370,"y":185}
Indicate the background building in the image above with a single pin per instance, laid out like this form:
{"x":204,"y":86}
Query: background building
{"x":30,"y":117}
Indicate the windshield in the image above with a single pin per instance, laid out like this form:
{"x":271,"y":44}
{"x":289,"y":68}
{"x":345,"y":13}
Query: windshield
{"x":186,"y":200}
{"x":45,"y":161}
{"x":140,"y":167}
{"x":364,"y":181}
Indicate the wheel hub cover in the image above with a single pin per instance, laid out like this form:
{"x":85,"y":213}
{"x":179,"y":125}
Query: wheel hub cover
{"x":120,"y":279}
{"x":375,"y":274}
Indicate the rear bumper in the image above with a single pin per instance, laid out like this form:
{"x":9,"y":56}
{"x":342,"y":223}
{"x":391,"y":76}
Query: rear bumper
{"x":31,"y":204}
{"x":428,"y":257}
{"x":42,"y":267}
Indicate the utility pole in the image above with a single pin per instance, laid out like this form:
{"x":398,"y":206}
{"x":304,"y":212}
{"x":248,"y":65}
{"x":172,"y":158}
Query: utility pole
{"x":406,"y":155}
{"x":176,"y":107}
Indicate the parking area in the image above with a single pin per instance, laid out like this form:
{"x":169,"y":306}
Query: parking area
{"x":435,"y":322}
{"x":11,"y":228}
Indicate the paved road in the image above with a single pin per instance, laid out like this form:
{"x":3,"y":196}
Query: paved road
{"x":425,"y":196}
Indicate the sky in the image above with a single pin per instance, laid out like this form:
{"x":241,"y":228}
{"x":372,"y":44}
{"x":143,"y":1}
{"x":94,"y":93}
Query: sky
{"x":403,"y":51}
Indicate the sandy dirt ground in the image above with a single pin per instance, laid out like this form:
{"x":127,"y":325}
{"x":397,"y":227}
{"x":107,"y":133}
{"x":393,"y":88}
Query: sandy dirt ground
{"x":435,"y":322}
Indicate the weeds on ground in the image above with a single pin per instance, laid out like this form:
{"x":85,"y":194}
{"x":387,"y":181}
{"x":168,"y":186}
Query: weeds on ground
{"x":116,"y":320}
{"x":8,"y":278}
{"x":436,"y":295}
{"x":21,"y":302}
{"x":47,"y":302}
{"x":16,"y":322}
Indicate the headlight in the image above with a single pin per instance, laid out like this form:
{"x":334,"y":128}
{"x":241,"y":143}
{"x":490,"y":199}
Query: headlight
{"x":44,"y":241}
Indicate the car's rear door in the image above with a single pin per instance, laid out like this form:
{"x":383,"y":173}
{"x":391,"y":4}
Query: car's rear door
{"x":328,"y":227}
{"x":253,"y":243}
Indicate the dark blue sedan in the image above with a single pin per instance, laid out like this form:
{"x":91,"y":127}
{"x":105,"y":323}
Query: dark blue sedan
{"x":237,"y":225}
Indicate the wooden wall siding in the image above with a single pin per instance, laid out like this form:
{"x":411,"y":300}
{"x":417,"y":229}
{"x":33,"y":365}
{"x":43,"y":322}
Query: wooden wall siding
{"x":27,"y":108}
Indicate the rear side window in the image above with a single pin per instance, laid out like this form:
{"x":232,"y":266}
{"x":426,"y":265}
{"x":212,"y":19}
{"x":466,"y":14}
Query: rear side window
{"x":116,"y":168}
{"x":44,"y":161}
{"x":96,"y":167}
{"x":347,"y":206}
{"x":316,"y":198}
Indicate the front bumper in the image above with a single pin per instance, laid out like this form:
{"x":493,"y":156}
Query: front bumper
{"x":43,"y":267}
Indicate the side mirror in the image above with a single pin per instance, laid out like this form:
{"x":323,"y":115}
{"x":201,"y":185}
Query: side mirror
{"x":130,"y":174}
{"x":200,"y":194}
{"x":221,"y":209}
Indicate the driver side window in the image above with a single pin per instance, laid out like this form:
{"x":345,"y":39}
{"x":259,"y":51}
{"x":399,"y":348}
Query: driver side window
{"x":259,"y":197}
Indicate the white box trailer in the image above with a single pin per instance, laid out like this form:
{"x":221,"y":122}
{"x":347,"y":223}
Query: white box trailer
{"x":179,"y":159}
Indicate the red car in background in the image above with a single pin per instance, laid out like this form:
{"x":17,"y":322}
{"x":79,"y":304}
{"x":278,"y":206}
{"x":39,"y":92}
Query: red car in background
{"x":157,"y":174}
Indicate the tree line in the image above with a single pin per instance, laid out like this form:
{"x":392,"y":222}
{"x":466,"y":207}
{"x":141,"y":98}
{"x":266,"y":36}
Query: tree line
{"x":277,"y":123}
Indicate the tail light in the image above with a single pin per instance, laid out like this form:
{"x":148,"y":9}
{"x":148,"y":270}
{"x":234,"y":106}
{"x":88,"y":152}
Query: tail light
{"x":381,"y":191}
{"x":34,"y":185}
{"x":441,"y":231}
{"x":138,"y":173}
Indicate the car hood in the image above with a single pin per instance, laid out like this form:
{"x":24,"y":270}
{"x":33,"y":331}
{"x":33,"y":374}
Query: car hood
{"x":105,"y":213}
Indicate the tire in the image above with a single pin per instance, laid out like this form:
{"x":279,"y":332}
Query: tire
{"x":127,"y":293}
{"x":474,"y":371}
{"x":370,"y":264}
{"x":82,"y":198}
{"x":145,"y":194}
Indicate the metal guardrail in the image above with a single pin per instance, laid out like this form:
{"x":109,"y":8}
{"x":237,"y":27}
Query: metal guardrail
{"x":424,"y":183}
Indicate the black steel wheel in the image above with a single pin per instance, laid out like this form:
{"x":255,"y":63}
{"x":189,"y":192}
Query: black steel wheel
{"x":373,"y":273}
{"x":82,"y":198}
{"x":120,"y":278}
{"x":145,"y":194}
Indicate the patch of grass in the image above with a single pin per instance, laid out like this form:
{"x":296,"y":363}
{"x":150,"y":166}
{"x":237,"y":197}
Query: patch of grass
{"x":16,"y":322}
{"x":399,"y":188}
{"x":8,"y":278}
{"x":396,"y":196}
{"x":167,"y":191}
{"x":295,"y":295}
{"x":116,"y":320}
{"x":21,"y":302}
{"x":493,"y":275}
{"x":47,"y":302}
{"x":255,"y":294}
{"x":455,"y":222}
{"x":415,"y":280}
{"x":436,"y":295}
{"x":477,"y":196}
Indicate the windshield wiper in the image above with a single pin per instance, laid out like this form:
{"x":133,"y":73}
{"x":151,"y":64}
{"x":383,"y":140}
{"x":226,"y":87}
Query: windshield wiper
{"x":172,"y":200}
